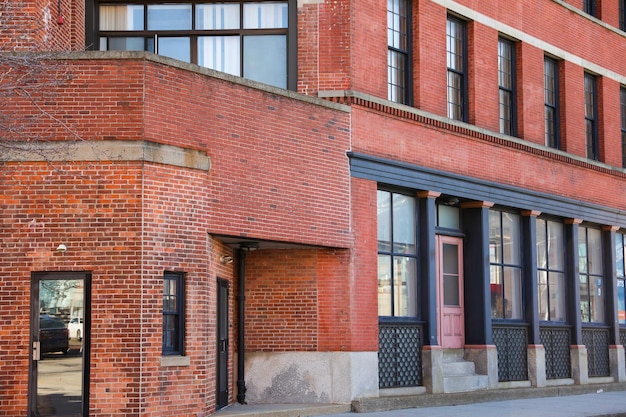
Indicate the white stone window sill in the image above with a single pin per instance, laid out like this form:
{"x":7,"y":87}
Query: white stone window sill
{"x":175,"y":360}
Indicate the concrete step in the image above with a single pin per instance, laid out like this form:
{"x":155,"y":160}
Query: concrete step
{"x":459,"y":368}
{"x":465,"y":383}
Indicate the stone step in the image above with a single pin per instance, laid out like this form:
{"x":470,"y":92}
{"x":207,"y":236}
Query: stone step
{"x":465,"y":383}
{"x":459,"y":368}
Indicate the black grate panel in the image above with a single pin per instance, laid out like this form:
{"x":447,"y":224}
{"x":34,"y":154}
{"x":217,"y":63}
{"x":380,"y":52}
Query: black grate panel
{"x":556,"y":341}
{"x":512,"y":346}
{"x":597,"y":343}
{"x":399,"y":355}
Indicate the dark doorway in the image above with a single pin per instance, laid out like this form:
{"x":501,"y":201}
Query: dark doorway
{"x":222,"y":343}
{"x":60,"y":316}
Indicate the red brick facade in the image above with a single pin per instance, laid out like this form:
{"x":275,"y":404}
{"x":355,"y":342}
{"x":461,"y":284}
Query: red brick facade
{"x":164,"y":166}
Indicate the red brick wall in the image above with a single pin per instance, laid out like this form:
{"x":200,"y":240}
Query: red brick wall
{"x":35,"y":25}
{"x":416,"y":144}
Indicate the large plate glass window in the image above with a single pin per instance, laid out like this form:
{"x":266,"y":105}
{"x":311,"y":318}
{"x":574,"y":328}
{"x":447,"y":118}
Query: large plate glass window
{"x":591,"y":274}
{"x":551,"y":270}
{"x":242,"y":38}
{"x":620,"y":268}
{"x":397,"y":263}
{"x":505,"y":259}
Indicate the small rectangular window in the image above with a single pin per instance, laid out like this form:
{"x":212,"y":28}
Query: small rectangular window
{"x":622,"y":15}
{"x":173,"y":314}
{"x":589,"y":7}
{"x":591,"y":117}
{"x":506,"y":87}
{"x":551,"y":103}
{"x":398,"y":51}
{"x":456,"y":52}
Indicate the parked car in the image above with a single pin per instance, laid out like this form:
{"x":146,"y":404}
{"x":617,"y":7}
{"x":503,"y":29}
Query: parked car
{"x":75,"y":327}
{"x":53,"y":335}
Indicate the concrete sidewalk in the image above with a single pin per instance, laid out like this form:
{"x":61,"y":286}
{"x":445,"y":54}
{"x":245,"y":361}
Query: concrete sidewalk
{"x":603,"y":404}
{"x":564,"y":402}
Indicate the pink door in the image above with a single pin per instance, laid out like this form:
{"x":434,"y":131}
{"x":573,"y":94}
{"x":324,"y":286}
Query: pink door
{"x":450,"y":292}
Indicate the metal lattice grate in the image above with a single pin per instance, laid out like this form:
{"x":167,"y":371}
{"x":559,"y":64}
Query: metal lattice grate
{"x":399,"y":355}
{"x":556,"y":341}
{"x":512,"y":346}
{"x":597,"y":343}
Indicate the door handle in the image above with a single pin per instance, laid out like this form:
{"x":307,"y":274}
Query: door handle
{"x":223,"y":345}
{"x":36,"y":351}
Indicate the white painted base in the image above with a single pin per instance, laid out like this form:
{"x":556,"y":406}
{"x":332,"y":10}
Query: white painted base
{"x":310,"y":377}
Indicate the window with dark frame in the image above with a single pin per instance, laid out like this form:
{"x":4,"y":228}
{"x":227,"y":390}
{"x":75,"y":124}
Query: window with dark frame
{"x":551,"y":270}
{"x":589,"y":7}
{"x":622,"y":15}
{"x":551,"y":103}
{"x":397,"y":255}
{"x":505,"y":260}
{"x":173,"y":314}
{"x":591,"y":275}
{"x":456,"y":57}
{"x":398,"y":53}
{"x":253,"y":40}
{"x":591,"y":117}
{"x":620,"y":268}
{"x":506,"y":87}
{"x":623,"y":123}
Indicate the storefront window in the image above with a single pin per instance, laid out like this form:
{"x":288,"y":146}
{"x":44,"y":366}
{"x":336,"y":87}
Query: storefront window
{"x":551,"y":270}
{"x":620,"y":268}
{"x":397,"y":263}
{"x":505,"y":261}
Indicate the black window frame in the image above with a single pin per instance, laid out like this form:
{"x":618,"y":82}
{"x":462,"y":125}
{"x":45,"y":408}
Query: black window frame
{"x":397,"y":93}
{"x":590,"y":7}
{"x":622,"y":15}
{"x":178,"y":345}
{"x":552,"y":103}
{"x":93,"y":34}
{"x":623,"y":123}
{"x":591,"y":116}
{"x":509,"y":91}
{"x":461,"y":73}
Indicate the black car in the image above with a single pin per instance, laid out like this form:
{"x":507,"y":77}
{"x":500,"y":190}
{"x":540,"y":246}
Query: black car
{"x":53,"y":335}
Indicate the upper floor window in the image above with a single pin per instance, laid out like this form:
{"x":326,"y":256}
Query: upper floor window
{"x":506,"y":86}
{"x":589,"y":7}
{"x":623,"y":118}
{"x":173,"y":314}
{"x":398,"y":52}
{"x":247,"y":39}
{"x":505,"y":259}
{"x":620,"y":268}
{"x":397,"y":255}
{"x":551,"y":103}
{"x":622,"y":14}
{"x":591,"y":275}
{"x":591,"y":117}
{"x":456,"y":35}
{"x":551,"y":270}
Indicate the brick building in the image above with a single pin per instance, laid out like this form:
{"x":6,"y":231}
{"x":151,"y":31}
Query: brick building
{"x":308,"y":201}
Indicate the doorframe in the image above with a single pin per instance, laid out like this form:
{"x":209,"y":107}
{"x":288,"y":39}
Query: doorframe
{"x":440,"y":241}
{"x":36,"y":277}
{"x":222,"y":283}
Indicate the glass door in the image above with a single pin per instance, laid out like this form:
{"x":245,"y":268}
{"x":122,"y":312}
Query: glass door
{"x":450,"y":292}
{"x":60,"y":333}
